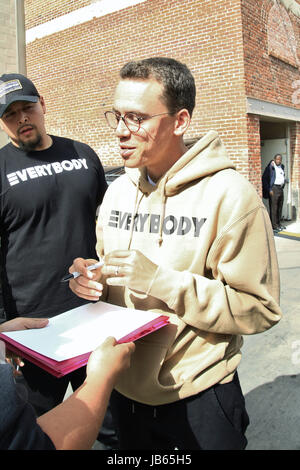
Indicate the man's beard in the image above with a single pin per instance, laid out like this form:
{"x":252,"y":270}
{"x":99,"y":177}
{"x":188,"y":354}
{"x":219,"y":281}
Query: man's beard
{"x":32,"y":144}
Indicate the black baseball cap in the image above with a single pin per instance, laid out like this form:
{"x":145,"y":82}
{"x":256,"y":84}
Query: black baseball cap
{"x":16,"y":87}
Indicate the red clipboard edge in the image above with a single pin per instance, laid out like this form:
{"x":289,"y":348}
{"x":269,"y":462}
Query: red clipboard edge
{"x":61,"y":368}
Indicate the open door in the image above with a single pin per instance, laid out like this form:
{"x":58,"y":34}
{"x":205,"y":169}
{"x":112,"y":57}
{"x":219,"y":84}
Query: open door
{"x":269,"y":148}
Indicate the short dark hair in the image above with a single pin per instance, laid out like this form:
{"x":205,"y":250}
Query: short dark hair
{"x":179,"y":85}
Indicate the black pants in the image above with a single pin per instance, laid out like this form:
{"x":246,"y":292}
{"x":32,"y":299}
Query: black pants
{"x":46,"y":391}
{"x":275,"y":205}
{"x":215,"y":419}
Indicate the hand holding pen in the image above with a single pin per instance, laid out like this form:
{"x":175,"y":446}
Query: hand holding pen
{"x":76,"y":274}
{"x":81,"y":279}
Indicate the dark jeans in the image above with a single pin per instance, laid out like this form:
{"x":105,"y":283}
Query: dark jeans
{"x":215,"y":419}
{"x":275,"y":205}
{"x":46,"y":391}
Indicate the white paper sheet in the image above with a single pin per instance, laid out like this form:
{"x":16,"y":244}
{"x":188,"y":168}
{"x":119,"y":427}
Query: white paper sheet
{"x":82,"y":329}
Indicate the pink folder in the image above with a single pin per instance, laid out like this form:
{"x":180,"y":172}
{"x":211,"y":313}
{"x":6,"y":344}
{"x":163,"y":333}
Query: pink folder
{"x":63,"y":367}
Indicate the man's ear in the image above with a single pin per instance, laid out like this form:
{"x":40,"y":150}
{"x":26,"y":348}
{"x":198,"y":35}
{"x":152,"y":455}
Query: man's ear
{"x":42,"y":101}
{"x":182,"y":122}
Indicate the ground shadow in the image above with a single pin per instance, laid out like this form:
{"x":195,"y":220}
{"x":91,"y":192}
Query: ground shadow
{"x":274,"y":410}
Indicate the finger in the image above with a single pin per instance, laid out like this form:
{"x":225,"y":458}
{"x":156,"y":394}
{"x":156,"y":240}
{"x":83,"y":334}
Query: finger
{"x":87,"y":290}
{"x":90,"y":296}
{"x":85,"y":296}
{"x":32,"y":323}
{"x":117,"y":254}
{"x":84,"y":284}
{"x":94,"y":273}
{"x":116,"y":270}
{"x":110,"y":340}
{"x":120,"y":281}
{"x":23,"y":323}
{"x":130,"y":347}
{"x":80,"y":265}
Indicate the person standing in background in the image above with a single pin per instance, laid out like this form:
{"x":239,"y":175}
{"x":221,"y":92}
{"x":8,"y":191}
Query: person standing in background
{"x":273,"y":182}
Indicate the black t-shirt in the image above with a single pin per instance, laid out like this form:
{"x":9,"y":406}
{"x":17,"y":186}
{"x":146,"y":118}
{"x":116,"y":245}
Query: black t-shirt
{"x":18,"y":426}
{"x":48,"y":209}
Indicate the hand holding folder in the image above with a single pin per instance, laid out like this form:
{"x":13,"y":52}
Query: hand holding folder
{"x":66,"y":343}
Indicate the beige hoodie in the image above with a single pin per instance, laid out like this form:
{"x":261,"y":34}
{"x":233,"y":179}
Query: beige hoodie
{"x":205,"y":227}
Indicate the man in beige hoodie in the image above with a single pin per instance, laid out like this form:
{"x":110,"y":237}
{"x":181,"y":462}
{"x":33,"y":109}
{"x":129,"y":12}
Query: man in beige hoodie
{"x":186,"y":235}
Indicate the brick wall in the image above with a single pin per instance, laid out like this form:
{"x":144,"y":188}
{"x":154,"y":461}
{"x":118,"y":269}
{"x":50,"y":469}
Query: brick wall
{"x":272,"y":73}
{"x":76,"y":69}
{"x":253,"y":132}
{"x":272,"y":51}
{"x":295,"y":168}
{"x":234,"y":48}
{"x":50,"y":10}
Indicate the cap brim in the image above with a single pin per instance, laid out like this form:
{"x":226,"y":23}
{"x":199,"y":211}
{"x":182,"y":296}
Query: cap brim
{"x":3,"y":107}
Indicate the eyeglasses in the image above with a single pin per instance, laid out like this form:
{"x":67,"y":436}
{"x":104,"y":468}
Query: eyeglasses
{"x":131,"y":120}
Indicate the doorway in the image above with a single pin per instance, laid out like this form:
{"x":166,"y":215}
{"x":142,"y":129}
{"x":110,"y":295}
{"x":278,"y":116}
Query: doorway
{"x":275,"y":139}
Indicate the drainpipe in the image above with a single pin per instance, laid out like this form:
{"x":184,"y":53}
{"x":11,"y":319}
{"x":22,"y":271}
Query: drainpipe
{"x":20,"y":36}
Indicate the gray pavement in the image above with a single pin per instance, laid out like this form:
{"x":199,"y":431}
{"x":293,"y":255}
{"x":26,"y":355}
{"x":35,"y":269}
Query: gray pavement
{"x":270,"y":368}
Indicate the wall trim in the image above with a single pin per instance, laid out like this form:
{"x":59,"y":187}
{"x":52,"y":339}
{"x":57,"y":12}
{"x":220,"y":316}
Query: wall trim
{"x":266,"y":108}
{"x":82,"y":15}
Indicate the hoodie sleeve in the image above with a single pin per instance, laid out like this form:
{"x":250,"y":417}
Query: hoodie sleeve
{"x":242,"y":294}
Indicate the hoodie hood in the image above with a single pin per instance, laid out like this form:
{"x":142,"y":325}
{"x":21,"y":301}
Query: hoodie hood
{"x":206,"y":157}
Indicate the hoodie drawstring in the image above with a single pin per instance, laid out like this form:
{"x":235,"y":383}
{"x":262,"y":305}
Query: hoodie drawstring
{"x":162,"y":213}
{"x":162,"y":210}
{"x":162,"y":218}
{"x":134,"y":214}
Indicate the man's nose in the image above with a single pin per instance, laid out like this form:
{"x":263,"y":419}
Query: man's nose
{"x":122,"y":129}
{"x":22,"y":117}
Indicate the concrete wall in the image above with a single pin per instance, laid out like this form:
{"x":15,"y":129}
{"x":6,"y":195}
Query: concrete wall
{"x":12,"y":41}
{"x":8,"y":61}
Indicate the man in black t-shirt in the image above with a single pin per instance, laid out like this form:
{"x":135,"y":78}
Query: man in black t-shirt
{"x":50,"y":189}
